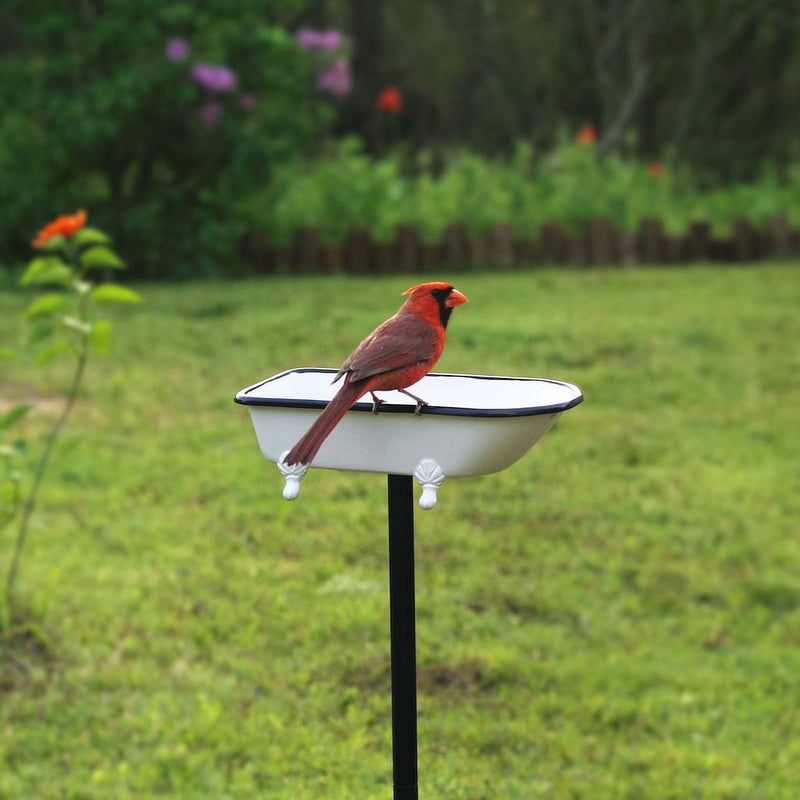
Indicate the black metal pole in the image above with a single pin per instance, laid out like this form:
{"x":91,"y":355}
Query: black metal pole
{"x":403,"y":637}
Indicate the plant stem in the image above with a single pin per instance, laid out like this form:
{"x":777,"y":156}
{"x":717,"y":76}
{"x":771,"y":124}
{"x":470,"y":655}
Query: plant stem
{"x":14,"y":500}
{"x":41,"y":466}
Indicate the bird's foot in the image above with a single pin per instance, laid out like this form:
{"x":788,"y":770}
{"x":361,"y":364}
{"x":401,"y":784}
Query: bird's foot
{"x":420,"y":401}
{"x":376,"y":403}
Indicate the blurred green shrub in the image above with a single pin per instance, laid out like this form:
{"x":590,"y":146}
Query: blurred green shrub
{"x":159,"y":117}
{"x":341,"y":189}
{"x":345,"y":188}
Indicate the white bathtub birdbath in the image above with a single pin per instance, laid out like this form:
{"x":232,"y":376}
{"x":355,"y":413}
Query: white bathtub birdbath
{"x":472,"y":425}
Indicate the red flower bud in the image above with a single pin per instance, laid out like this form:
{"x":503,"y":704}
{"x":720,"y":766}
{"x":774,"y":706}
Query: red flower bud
{"x":389,"y":101}
{"x":586,"y":135}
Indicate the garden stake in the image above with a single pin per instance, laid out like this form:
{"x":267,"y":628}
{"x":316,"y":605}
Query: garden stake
{"x":403,"y":636}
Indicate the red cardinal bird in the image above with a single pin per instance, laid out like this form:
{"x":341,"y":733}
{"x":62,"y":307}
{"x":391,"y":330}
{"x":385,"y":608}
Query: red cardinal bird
{"x":395,"y":355}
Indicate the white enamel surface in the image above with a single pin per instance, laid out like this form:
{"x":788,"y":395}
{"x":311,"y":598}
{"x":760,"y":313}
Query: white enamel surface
{"x":396,"y":441}
{"x":475,"y":392}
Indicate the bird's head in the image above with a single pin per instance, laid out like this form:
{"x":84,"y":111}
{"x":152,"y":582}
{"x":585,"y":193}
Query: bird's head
{"x":434,"y":300}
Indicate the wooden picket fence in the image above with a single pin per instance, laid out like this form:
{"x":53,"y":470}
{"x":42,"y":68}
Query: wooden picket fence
{"x":600,"y":244}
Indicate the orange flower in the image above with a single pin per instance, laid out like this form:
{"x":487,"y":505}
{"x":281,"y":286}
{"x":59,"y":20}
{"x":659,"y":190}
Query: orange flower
{"x":586,"y":135}
{"x":656,"y":169}
{"x":66,"y":225}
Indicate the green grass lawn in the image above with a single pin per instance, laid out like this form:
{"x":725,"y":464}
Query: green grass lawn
{"x":615,"y":616}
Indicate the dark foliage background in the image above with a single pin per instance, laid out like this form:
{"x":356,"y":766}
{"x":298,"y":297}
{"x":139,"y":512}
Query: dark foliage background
{"x":93,"y":113}
{"x":716,"y":83}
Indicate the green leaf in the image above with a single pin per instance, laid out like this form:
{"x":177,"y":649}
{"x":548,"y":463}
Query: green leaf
{"x":100,"y":336}
{"x":13,"y":416}
{"x":40,"y":330}
{"x":46,"y":270}
{"x":113,"y":293}
{"x":46,"y":355}
{"x":55,"y":244}
{"x":100,"y":257}
{"x":88,"y":236}
{"x":6,"y":352}
{"x":46,"y":305}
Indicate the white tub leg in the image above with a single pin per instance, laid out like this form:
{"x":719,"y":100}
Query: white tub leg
{"x":430,"y":476}
{"x":293,"y":476}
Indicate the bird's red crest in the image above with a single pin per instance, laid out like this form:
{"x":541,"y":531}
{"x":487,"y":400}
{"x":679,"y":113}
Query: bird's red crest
{"x":428,"y":287}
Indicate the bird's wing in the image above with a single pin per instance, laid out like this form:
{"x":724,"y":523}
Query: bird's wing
{"x":402,"y":341}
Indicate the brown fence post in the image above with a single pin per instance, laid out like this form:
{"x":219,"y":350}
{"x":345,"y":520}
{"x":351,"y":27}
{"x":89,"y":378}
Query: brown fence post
{"x":746,"y":240}
{"x":284,"y":258}
{"x":430,"y":255}
{"x":307,"y":250}
{"x":721,"y":249}
{"x":525,"y":253}
{"x":384,"y":257}
{"x":779,"y":237}
{"x":650,"y":240}
{"x":358,"y":250}
{"x":478,"y":253}
{"x":331,"y":258}
{"x":697,"y":239}
{"x":501,"y":243}
{"x":674,"y":251}
{"x":455,"y":246}
{"x":577,"y":250}
{"x":554,"y":242}
{"x":603,"y":244}
{"x":627,"y":249}
{"x":406,"y":242}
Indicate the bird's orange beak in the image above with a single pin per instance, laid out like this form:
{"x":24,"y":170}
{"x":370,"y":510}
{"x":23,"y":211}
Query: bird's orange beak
{"x":455,"y":298}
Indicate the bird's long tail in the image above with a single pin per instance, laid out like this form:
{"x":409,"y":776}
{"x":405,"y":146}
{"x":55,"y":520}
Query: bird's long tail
{"x":308,"y":445}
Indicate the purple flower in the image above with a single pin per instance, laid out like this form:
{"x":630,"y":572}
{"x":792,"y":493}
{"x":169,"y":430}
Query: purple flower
{"x":307,"y":38}
{"x":210,"y":112}
{"x":177,"y":49}
{"x":328,"y":41}
{"x":336,"y":78}
{"x":213,"y":77}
